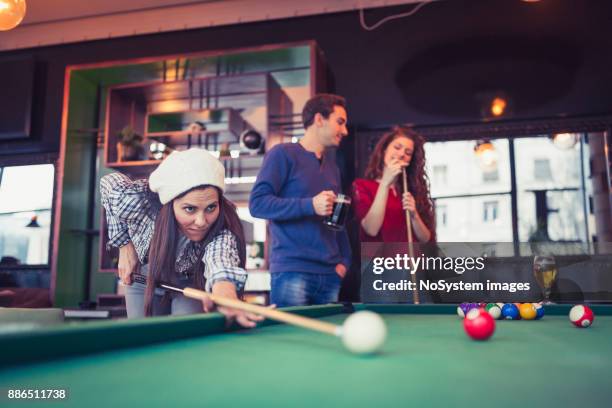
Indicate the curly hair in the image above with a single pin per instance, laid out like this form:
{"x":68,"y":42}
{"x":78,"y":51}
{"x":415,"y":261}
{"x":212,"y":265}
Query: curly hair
{"x":418,"y":182}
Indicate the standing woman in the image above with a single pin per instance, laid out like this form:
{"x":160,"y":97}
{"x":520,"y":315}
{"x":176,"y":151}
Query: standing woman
{"x":176,"y":227}
{"x":379,"y":200}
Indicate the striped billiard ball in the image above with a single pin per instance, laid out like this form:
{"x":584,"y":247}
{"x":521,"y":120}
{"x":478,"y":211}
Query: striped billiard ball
{"x":581,"y":316}
{"x":461,"y":310}
{"x":494,"y":310}
{"x":539,"y":310}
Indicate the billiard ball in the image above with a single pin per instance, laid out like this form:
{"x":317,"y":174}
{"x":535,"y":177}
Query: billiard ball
{"x":510,"y":311}
{"x":461,"y":311}
{"x":464,"y":308}
{"x":494,"y":310}
{"x":364,"y":332}
{"x":539,"y":310}
{"x":478,"y":324}
{"x":581,"y":316}
{"x":470,"y":306}
{"x":527,"y":311}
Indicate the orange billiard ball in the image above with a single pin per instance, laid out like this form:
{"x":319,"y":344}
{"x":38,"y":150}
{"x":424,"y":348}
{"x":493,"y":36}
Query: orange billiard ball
{"x":528,"y":311}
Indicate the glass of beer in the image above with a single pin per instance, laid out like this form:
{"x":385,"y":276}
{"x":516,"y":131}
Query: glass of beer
{"x":339,"y":213}
{"x":545,"y":273}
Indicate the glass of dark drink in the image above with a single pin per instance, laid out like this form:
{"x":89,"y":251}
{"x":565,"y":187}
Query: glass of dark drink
{"x":339,"y":213}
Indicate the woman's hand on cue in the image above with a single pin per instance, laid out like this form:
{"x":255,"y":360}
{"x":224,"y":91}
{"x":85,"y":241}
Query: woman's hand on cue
{"x":228,"y":290}
{"x":128,"y":261}
{"x":408,"y":203}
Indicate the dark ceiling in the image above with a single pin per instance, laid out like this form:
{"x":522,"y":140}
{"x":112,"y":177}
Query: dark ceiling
{"x":552,"y":59}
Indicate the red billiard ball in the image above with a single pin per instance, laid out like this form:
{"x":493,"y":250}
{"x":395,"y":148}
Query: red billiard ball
{"x":478,"y":324}
{"x":581,"y":316}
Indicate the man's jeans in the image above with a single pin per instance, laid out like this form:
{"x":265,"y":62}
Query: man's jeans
{"x":300,"y":289}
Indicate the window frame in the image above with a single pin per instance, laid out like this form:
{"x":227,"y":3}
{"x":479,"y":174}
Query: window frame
{"x":33,"y":160}
{"x":513,"y":192}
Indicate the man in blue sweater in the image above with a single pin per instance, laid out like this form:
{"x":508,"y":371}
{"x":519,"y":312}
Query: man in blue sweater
{"x":296,"y":187}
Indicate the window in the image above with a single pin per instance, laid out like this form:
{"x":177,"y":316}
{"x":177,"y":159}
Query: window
{"x":439,"y":174}
{"x":441,"y":215}
{"x":490,"y":176}
{"x":26,"y":194}
{"x":564,"y":193}
{"x":551,"y":206}
{"x":541,"y":170}
{"x":461,"y":197}
{"x":489,"y":211}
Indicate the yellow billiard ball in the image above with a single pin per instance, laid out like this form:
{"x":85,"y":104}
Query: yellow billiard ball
{"x":528,"y":311}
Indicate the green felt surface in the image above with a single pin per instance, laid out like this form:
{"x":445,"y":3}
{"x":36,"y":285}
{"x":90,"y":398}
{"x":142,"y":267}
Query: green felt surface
{"x":427,"y":361}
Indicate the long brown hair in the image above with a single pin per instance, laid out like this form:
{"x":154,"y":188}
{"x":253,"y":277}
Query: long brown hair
{"x":418,"y":182}
{"x":162,"y":249}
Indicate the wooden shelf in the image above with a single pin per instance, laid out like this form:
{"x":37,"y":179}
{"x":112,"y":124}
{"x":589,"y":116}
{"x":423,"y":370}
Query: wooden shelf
{"x":163,"y":112}
{"x":135,"y":163}
{"x":221,"y":125}
{"x":227,"y":105}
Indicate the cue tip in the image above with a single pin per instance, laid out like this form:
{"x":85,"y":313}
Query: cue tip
{"x":171,"y":288}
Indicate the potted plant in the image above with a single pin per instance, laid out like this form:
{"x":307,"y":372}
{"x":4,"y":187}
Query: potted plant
{"x":130,"y":145}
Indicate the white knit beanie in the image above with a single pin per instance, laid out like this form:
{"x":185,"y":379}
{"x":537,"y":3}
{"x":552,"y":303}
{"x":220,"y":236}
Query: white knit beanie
{"x":181,"y":171}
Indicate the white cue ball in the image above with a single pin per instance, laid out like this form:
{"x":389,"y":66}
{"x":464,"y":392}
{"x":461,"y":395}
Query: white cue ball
{"x":364,"y":332}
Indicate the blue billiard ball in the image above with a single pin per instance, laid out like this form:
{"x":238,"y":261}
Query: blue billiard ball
{"x":510,"y":311}
{"x":539,"y":311}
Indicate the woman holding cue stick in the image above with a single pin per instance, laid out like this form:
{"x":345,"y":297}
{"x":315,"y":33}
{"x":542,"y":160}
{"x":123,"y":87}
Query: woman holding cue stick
{"x":177,"y":227}
{"x":390,"y":207}
{"x":363,"y":332}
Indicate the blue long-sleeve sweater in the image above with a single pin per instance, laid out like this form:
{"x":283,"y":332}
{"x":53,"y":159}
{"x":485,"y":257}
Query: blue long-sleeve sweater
{"x":288,"y":180}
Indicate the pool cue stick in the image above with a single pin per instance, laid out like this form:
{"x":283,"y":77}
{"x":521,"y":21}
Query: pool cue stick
{"x":273,"y":314}
{"x":415,"y":292}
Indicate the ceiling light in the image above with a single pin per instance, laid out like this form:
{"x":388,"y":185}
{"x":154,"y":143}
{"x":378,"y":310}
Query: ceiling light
{"x":498,"y":106}
{"x":565,"y":141}
{"x":486,"y":154}
{"x":11,"y":13}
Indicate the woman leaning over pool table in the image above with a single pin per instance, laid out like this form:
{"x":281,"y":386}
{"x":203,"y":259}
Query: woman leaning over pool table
{"x":176,"y":227}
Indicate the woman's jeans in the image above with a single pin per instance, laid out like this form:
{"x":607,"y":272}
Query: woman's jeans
{"x":178,"y":304}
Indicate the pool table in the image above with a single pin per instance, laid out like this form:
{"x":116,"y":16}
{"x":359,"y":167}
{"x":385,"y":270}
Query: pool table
{"x":428,"y":361}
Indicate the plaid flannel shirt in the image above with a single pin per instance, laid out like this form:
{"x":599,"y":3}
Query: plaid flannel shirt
{"x":131,"y":209}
